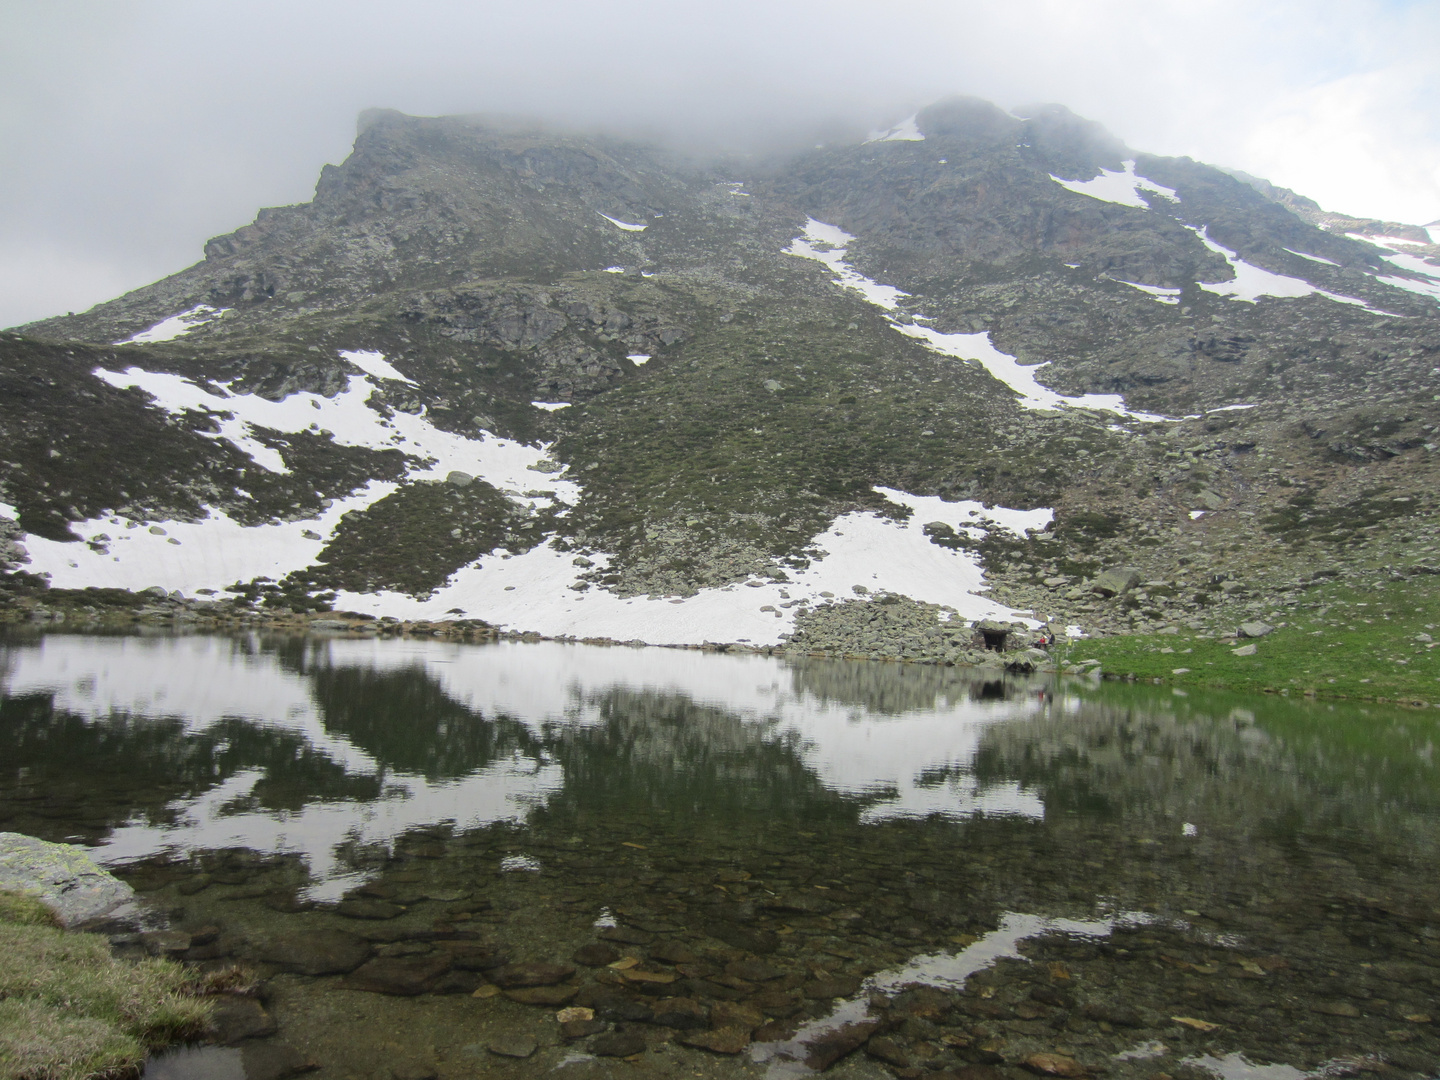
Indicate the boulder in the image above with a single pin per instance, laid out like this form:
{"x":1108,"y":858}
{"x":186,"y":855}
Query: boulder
{"x":1116,"y":581}
{"x":63,"y":876}
{"x":1254,"y":629}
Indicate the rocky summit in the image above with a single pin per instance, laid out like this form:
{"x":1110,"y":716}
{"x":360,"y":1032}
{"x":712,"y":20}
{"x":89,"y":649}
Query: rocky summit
{"x":902,"y":396}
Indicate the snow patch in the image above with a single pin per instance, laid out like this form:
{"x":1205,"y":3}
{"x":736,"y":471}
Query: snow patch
{"x":8,"y":511}
{"x":1196,"y":515}
{"x":1122,"y":187}
{"x":349,"y":420}
{"x":1230,"y":408}
{"x":827,"y":244}
{"x":1384,"y":241}
{"x":1252,"y":282}
{"x":212,"y":553}
{"x":550,"y":406}
{"x":1159,"y":292}
{"x":536,"y":590}
{"x":1312,"y":258}
{"x":637,"y":358}
{"x":1415,"y":265}
{"x":614,"y":269}
{"x":734,"y":189}
{"x":375,"y":364}
{"x":218,"y":551}
{"x":905,"y":131}
{"x":175,"y":326}
{"x":623,"y":224}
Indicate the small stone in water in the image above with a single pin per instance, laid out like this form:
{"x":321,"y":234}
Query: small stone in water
{"x":1054,"y":1065}
{"x":487,"y":991}
{"x":530,"y":974}
{"x":719,"y":1041}
{"x":575,"y":1012}
{"x":618,"y":1044}
{"x":581,"y":1029}
{"x":596,"y":954}
{"x":514,"y":1046}
{"x":1198,"y":1025}
{"x":1336,"y":1008}
{"x":543,"y":995}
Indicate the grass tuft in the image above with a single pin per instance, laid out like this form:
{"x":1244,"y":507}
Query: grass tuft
{"x":71,"y":1011}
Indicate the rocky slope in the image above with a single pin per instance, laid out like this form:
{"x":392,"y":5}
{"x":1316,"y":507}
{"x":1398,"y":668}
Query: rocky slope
{"x":582,"y":386}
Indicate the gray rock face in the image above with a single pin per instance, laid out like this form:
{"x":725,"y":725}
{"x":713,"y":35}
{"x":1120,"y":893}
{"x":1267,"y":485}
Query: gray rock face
{"x":62,"y":875}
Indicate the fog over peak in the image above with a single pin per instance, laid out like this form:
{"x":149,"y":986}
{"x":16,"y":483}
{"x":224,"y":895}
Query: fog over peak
{"x":133,"y":133}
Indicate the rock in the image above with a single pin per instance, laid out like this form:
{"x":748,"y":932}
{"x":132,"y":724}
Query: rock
{"x":888,"y":1051}
{"x":171,"y":943}
{"x":719,"y":1041}
{"x":460,"y":982}
{"x":63,"y":876}
{"x":828,"y":1047}
{"x":618,"y":1044}
{"x":1054,"y":1065}
{"x":581,"y":1029}
{"x":1336,"y":1008}
{"x":735,"y":1014}
{"x":1116,"y":581}
{"x":236,"y":1018}
{"x":1254,"y":629}
{"x":512,"y":1046}
{"x":399,"y":976}
{"x":683,"y":1013}
{"x":836,"y":986}
{"x":273,"y":1061}
{"x":543,"y":995}
{"x":1244,"y":650}
{"x":474,"y":956}
{"x":626,"y":935}
{"x":672,"y":952}
{"x":368,"y":909}
{"x":752,"y":970}
{"x":537,"y":973}
{"x":596,"y":954}
{"x":575,"y":1012}
{"x":314,"y":952}
{"x":458,"y":478}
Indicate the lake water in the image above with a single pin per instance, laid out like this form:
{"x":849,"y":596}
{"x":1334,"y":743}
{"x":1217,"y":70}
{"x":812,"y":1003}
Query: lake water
{"x":752,"y":864}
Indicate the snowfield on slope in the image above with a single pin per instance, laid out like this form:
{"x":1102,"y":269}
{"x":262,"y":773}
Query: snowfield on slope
{"x":218,"y":551}
{"x":1122,"y":187}
{"x":176,"y":325}
{"x":1252,"y":282}
{"x":536,"y":590}
{"x":827,"y":244}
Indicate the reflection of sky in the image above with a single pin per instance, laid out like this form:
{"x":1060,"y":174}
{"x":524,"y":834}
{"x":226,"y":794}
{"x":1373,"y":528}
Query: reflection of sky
{"x":906,"y":763}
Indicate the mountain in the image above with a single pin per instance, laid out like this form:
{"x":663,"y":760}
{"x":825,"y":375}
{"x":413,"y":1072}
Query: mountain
{"x":582,"y":386}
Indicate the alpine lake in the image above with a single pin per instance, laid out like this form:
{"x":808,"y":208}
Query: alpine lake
{"x":522,"y":859}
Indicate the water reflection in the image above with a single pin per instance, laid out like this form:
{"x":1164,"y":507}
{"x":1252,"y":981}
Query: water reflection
{"x":323,"y":747}
{"x":1066,"y":866}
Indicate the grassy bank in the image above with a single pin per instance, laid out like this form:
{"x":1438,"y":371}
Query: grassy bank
{"x":1341,"y":641}
{"x":69,"y":1010}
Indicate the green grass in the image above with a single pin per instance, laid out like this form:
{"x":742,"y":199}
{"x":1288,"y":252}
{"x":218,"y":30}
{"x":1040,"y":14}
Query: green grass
{"x":71,"y":1011}
{"x":1341,"y":641}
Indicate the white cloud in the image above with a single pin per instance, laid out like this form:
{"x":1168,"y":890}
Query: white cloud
{"x":127,"y":145}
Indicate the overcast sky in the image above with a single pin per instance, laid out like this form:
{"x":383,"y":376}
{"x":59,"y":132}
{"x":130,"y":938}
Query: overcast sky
{"x":134,"y":130}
